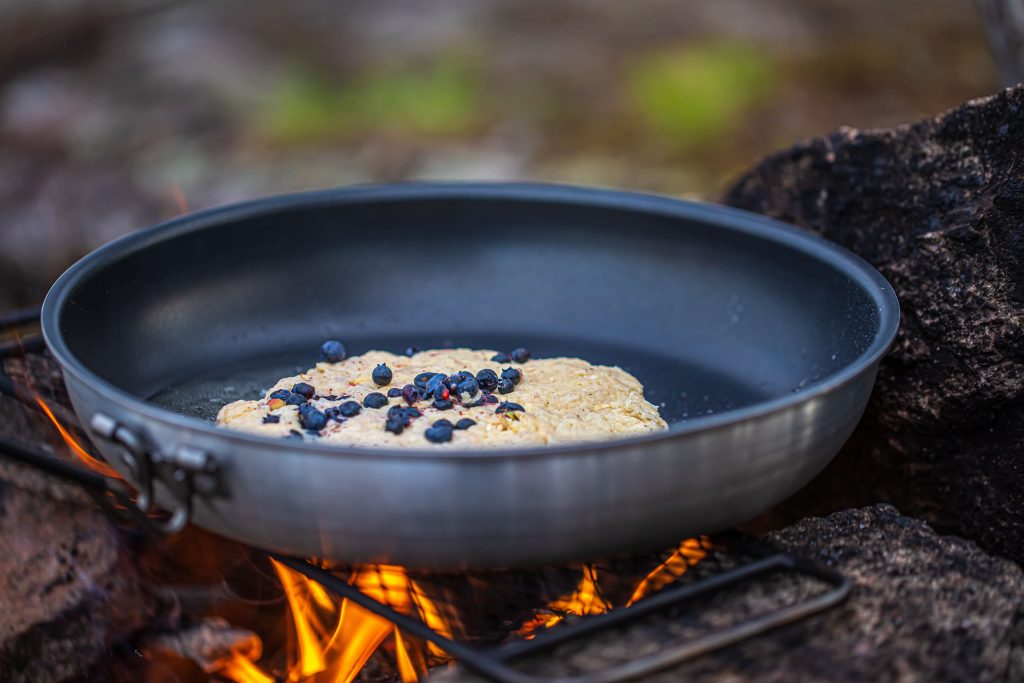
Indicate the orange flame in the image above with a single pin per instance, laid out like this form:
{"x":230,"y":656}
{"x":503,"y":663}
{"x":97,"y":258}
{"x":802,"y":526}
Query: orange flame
{"x":241,"y":669}
{"x":690,"y":552}
{"x":587,"y":598}
{"x":76,"y":448}
{"x":335,"y":640}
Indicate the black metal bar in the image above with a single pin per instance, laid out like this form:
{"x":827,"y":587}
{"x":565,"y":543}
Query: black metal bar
{"x":102,"y":489}
{"x":493,"y":663}
{"x":653,"y":603}
{"x":51,"y":465}
{"x":20,"y":316}
{"x":21,"y":347}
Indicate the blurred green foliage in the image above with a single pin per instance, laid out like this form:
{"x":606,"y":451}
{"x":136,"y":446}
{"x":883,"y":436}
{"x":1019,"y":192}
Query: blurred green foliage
{"x":693,"y":95}
{"x":440,"y":98}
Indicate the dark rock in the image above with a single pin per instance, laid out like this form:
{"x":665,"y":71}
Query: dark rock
{"x":937,"y":207}
{"x":68,"y":585}
{"x":923,"y":607}
{"x":68,"y":589}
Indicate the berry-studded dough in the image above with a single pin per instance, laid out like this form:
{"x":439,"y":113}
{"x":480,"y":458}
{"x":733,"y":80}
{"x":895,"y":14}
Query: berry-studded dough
{"x":449,"y":398}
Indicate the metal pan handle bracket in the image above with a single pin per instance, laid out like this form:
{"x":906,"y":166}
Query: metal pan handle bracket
{"x":183,"y":472}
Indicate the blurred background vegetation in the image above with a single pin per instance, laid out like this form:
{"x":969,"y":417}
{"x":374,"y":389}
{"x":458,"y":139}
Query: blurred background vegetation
{"x":115,"y":114}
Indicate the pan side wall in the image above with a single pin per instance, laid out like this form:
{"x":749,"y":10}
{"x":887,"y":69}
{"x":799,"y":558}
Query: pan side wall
{"x":455,"y":513}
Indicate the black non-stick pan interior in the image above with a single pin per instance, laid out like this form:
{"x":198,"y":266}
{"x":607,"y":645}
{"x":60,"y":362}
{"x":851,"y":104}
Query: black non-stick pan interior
{"x":707,"y":312}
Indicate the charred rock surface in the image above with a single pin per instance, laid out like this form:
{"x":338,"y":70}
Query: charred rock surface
{"x":938,"y":208}
{"x":923,"y":607}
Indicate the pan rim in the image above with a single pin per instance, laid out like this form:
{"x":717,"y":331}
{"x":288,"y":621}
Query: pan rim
{"x":715,"y":215}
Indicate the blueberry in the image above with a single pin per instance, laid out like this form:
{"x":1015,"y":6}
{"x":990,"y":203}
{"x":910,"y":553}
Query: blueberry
{"x":465,"y":423}
{"x":490,"y":398}
{"x":411,"y":351}
{"x":332,"y":351}
{"x":406,"y":415}
{"x":443,"y":423}
{"x":394,"y":392}
{"x":349,"y":409}
{"x":281,"y":394}
{"x":402,"y":413}
{"x":411,"y":394}
{"x":505,"y":386}
{"x":295,"y":399}
{"x":334,"y":413}
{"x":436,"y":387}
{"x":454,"y":380}
{"x":421,"y":379}
{"x":399,"y":417}
{"x":271,"y":419}
{"x":382,"y":375}
{"x":487,"y":378}
{"x":442,"y":403}
{"x":469,"y":386}
{"x":438,"y":434}
{"x":330,"y":397}
{"x":313,"y":420}
{"x":434,"y":383}
{"x":500,"y":358}
{"x":520,"y":355}
{"x":508,"y":407}
{"x":375,"y":400}
{"x":305,"y":390}
{"x":512,"y":374}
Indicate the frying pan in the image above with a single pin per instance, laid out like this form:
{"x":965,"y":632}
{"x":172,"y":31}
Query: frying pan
{"x":759,"y":343}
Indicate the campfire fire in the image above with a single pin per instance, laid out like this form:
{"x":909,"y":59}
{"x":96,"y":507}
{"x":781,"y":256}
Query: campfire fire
{"x":589,"y":597}
{"x":333,"y":639}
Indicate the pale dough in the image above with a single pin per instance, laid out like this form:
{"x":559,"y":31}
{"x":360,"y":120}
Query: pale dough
{"x":566,"y":400}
